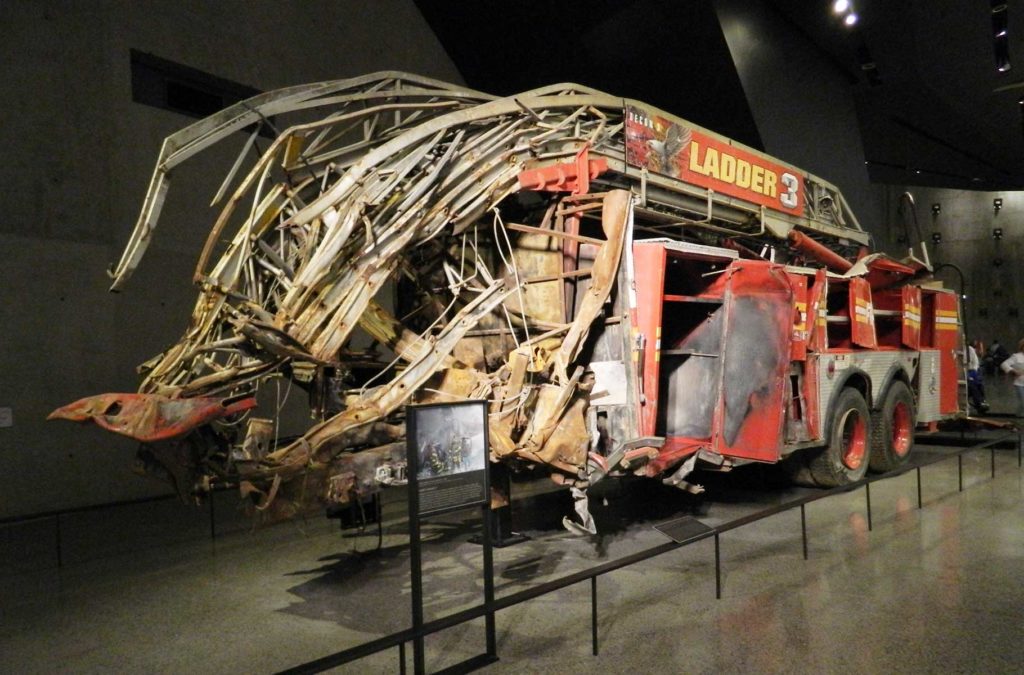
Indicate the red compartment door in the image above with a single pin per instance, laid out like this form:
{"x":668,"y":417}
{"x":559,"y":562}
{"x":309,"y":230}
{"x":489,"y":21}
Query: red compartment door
{"x":748,"y":420}
{"x":911,"y":307}
{"x":862,"y":314}
{"x":947,"y":341}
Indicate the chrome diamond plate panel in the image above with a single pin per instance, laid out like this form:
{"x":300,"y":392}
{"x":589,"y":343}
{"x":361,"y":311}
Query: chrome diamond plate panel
{"x":928,"y":394}
{"x":875,"y":364}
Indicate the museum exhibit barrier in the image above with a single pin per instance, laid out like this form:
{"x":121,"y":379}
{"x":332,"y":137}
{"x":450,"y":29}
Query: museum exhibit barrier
{"x":681,"y":532}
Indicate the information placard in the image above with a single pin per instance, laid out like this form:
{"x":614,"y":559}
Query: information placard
{"x":447,"y":455}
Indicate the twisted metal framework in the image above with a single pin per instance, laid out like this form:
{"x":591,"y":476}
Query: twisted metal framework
{"x":404,"y":186}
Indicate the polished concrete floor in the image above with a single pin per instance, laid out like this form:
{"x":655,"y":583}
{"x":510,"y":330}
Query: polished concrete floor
{"x":937,"y":589}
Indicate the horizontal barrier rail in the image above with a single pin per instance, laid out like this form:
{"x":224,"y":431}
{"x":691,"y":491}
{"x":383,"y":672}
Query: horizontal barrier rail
{"x":399,"y":638}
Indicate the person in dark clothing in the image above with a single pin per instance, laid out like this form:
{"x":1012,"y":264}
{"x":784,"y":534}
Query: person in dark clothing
{"x":994,"y":357}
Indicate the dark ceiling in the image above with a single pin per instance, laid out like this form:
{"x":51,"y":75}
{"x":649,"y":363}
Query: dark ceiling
{"x":928,"y":102}
{"x":934,"y":108}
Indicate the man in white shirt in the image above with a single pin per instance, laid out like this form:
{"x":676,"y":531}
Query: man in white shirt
{"x":1015,"y":365}
{"x":975,"y":386}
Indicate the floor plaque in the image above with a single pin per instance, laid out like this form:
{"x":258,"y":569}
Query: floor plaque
{"x":682,"y":530}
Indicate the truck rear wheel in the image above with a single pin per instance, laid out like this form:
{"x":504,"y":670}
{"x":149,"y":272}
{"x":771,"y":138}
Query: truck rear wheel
{"x":846,"y":457}
{"x":892,"y":429}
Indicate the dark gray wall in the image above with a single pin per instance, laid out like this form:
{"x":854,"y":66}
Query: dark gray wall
{"x":802,"y":105}
{"x":78,"y":154}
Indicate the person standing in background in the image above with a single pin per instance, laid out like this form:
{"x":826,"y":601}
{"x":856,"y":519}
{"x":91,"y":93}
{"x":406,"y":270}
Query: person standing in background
{"x":994,"y":357}
{"x":975,"y":383}
{"x":1015,"y":366}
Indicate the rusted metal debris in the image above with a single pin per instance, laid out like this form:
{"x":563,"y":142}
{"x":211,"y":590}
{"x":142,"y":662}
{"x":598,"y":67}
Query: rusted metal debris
{"x":151,"y":417}
{"x":480,"y":243}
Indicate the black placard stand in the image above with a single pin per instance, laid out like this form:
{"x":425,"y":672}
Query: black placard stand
{"x":416,"y":435}
{"x":501,"y":517}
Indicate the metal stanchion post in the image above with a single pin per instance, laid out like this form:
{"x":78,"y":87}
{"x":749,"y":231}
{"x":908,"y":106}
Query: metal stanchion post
{"x":593,"y":612}
{"x":803,"y":528}
{"x":960,"y":471}
{"x":919,"y":488}
{"x":377,"y":500}
{"x":993,"y":449}
{"x":489,"y":627}
{"x":718,"y":570}
{"x":867,"y":495}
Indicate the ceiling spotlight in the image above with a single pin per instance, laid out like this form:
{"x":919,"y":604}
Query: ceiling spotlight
{"x":936,"y":209}
{"x":997,"y":233}
{"x":936,"y":237}
{"x":997,"y":203}
{"x":850,"y":19}
{"x":840,"y":6}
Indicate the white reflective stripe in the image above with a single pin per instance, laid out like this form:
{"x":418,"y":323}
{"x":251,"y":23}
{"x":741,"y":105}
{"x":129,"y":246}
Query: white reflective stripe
{"x":946,"y":319}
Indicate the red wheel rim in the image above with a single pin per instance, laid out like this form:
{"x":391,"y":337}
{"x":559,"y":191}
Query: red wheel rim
{"x":901,"y":429}
{"x":855,"y":440}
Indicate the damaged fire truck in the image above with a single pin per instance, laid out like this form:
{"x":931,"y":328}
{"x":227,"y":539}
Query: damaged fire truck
{"x":630,"y":292}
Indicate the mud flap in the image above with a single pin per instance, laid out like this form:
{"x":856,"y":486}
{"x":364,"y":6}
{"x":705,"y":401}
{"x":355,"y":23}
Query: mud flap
{"x":582,"y":508}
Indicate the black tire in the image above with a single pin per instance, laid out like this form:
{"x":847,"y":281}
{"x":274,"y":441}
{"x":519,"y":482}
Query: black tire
{"x":892,"y":429}
{"x":846,"y":457}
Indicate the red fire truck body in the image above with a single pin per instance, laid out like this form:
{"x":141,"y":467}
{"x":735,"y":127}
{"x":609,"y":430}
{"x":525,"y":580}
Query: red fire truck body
{"x":737,"y":358}
{"x":749,"y":360}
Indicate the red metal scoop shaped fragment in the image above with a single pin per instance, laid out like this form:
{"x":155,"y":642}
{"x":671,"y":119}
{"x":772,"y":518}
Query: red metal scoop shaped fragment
{"x":150,"y":417}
